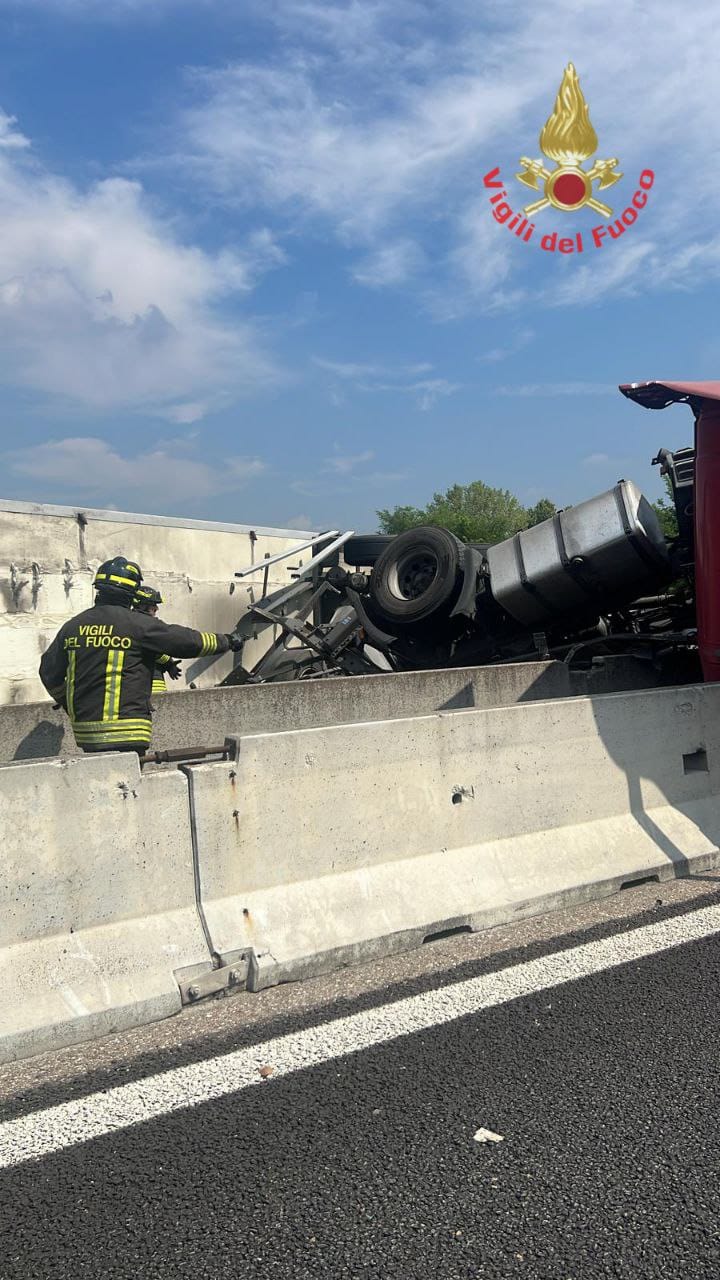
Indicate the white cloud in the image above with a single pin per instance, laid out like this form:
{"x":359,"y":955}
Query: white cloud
{"x":479,"y":267}
{"x":376,"y":117}
{"x":302,"y":522}
{"x":517,"y":342}
{"x":344,"y":473}
{"x":390,"y":264}
{"x":284,"y":137}
{"x":403,"y":380}
{"x":626,"y":271}
{"x":426,"y":391}
{"x":343,"y":464}
{"x":83,"y":466}
{"x":374,"y":121}
{"x":553,"y":389}
{"x":102,"y":303}
{"x":607,"y":461}
{"x":10,"y":137}
{"x":361,"y":372}
{"x":339,"y":482}
{"x":104,"y":9}
{"x":183,"y":414}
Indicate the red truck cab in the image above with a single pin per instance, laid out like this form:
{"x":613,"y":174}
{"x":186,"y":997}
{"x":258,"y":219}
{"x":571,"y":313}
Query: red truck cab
{"x":704,"y":400}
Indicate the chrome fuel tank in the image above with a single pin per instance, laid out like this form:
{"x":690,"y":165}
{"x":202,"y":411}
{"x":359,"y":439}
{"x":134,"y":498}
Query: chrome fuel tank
{"x":589,"y":558}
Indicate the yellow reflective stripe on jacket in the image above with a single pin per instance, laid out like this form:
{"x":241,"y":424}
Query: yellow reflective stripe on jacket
{"x":130,"y":735}
{"x":120,"y":655}
{"x":108,"y":739}
{"x":113,"y":684}
{"x":158,"y":686}
{"x":113,"y":726}
{"x":92,"y":731}
{"x":209,"y":642}
{"x":164,"y":657}
{"x":107,"y":732}
{"x":109,"y":674}
{"x":70,"y":683}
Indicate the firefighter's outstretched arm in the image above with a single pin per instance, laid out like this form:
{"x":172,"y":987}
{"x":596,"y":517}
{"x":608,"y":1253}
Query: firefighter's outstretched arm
{"x":53,"y":669}
{"x":180,"y":642}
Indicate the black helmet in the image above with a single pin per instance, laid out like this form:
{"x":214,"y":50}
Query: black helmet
{"x":147,"y":598}
{"x":118,"y":579}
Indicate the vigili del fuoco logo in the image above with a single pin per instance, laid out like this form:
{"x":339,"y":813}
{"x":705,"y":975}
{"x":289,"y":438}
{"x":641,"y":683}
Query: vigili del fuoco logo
{"x":569,"y":140}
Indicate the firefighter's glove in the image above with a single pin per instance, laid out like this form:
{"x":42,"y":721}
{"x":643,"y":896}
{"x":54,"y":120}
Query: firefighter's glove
{"x":173,"y":669}
{"x":235,"y":643}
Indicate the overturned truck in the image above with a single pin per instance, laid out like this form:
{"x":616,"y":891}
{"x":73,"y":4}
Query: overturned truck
{"x":597,"y":580}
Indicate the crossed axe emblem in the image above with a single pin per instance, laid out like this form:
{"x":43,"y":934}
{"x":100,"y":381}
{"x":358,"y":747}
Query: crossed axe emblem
{"x":603,"y":172}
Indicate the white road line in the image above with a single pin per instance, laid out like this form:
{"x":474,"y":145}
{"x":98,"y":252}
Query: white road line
{"x":41,"y":1134}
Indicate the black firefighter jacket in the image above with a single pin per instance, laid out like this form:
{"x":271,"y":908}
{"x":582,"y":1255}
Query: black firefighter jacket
{"x":100,"y":668}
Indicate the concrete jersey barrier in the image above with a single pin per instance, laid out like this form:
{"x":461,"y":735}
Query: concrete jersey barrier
{"x":97,"y":900}
{"x":318,"y":847}
{"x":191,"y":719}
{"x":323,"y":846}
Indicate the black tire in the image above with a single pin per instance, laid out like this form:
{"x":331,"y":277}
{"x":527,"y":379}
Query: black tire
{"x":363,"y":549}
{"x":417,"y":577}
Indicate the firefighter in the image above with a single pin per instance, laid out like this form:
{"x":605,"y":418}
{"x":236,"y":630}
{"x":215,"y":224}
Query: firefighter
{"x":100,"y":665}
{"x":148,"y":600}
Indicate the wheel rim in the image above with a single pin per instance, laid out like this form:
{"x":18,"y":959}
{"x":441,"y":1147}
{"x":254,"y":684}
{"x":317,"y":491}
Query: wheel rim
{"x":412,"y":574}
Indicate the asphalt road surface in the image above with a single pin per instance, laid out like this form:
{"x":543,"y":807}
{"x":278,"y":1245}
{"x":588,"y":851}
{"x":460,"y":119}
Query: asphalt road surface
{"x":329,"y":1129}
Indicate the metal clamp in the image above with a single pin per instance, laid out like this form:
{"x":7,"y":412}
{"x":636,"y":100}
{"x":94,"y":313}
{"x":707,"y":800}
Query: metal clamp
{"x":232,"y":977}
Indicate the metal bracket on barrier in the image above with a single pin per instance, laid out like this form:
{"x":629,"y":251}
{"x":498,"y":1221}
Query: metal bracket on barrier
{"x":230,"y":978}
{"x":249,"y":971}
{"x":263,"y":971}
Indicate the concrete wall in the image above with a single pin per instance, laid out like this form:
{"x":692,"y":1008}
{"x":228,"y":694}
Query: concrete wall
{"x":48,"y":556}
{"x":320,"y":846}
{"x":195,"y":719}
{"x":97,"y":900}
{"x":191,"y":719}
{"x":324,"y":846}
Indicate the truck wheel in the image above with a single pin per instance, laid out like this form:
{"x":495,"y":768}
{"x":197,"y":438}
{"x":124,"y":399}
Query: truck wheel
{"x":363,"y":549}
{"x":417,"y":576}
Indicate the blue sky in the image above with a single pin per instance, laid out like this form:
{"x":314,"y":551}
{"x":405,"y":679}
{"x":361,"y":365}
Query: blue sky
{"x":248,"y":268}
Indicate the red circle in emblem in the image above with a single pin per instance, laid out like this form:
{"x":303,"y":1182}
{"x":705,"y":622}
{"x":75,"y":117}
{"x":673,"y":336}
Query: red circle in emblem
{"x":569,"y":189}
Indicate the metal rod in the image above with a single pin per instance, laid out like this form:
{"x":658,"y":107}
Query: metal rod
{"x":282,"y":555}
{"x":278,"y":600}
{"x":251,"y":625}
{"x":299,"y":616}
{"x":182,"y":753}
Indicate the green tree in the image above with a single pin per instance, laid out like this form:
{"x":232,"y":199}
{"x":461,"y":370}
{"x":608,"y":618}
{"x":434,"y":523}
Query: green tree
{"x":400,"y":519}
{"x":542,"y":510}
{"x":665,"y":512}
{"x":474,"y":512}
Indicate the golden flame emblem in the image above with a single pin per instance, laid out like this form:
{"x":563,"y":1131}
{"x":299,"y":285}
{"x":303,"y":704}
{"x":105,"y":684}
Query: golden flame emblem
{"x":568,"y":138}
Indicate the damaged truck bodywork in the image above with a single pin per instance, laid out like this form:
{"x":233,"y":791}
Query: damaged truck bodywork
{"x":596,"y":580}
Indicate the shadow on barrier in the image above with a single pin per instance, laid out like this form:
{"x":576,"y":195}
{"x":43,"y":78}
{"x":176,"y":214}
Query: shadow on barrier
{"x":552,"y":682}
{"x":678,"y":760}
{"x":505,"y":684}
{"x":462,"y":698}
{"x":45,"y":739}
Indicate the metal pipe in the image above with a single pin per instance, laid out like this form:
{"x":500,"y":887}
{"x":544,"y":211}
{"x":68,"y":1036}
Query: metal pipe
{"x":182,"y":753}
{"x":282,"y":555}
{"x":318,"y":559}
